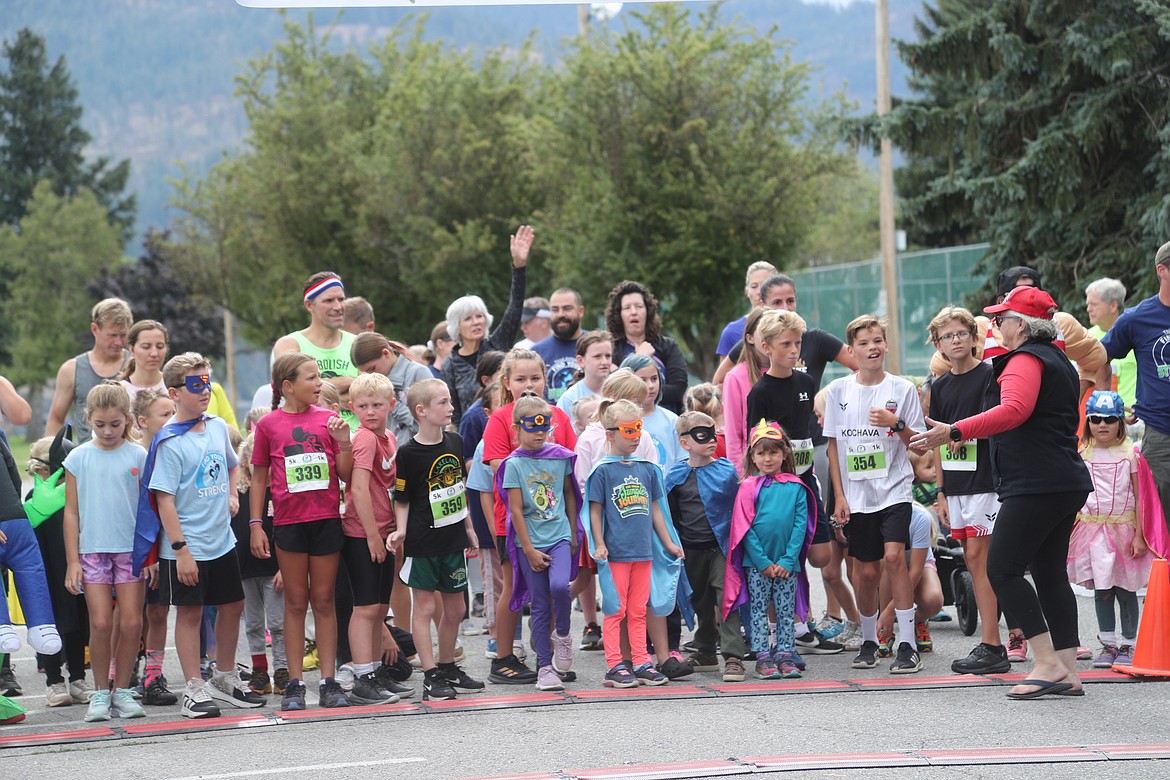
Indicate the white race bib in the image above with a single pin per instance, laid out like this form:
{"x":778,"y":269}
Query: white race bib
{"x":306,"y":472}
{"x":802,"y":453}
{"x":866,"y":460}
{"x":448,"y":504}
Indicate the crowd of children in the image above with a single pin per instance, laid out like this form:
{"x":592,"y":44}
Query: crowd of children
{"x":709,"y":517}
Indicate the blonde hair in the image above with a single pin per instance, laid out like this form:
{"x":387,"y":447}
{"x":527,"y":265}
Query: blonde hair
{"x":759,"y":265}
{"x":38,"y":457}
{"x":330,"y":395}
{"x":180,"y":365}
{"x":144,"y":400}
{"x":285,"y":369}
{"x":528,"y":406}
{"x":821,"y":400}
{"x":584,"y":411}
{"x":371,"y":384}
{"x":704,"y":398}
{"x":424,"y":391}
{"x":624,"y":384}
{"x":775,"y":322}
{"x":612,"y":412}
{"x":244,"y":450}
{"x":254,"y":416}
{"x":110,"y":395}
{"x":111,"y":311}
{"x":510,"y":360}
{"x":688,"y":420}
{"x":748,"y":353}
{"x":864,"y":322}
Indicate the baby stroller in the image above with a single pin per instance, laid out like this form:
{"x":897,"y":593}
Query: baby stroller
{"x":957,"y":586}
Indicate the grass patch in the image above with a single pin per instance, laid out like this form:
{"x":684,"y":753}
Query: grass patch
{"x":20,"y":447}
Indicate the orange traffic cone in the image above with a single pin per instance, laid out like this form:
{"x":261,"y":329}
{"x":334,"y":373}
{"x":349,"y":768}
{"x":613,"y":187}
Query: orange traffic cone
{"x":1151,"y":657}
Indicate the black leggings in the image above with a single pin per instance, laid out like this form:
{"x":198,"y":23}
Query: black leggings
{"x":1031,"y":534}
{"x":72,"y":654}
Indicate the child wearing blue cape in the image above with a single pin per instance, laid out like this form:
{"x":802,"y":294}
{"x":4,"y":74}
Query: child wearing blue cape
{"x":626,"y":519}
{"x":543,"y":535}
{"x":772,"y":526}
{"x":701,"y":491}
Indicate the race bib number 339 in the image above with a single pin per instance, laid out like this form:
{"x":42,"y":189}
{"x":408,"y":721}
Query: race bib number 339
{"x":866,"y":460}
{"x":306,"y":472}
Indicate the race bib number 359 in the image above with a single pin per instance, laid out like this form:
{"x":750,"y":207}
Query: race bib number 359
{"x":866,"y":460}
{"x":448,"y":504}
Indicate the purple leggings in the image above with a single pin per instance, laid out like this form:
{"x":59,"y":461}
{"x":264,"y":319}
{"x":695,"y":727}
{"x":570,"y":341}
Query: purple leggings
{"x":550,"y":595}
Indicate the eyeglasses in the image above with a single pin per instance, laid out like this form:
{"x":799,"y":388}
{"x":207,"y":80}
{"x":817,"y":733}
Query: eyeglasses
{"x":960,"y":336}
{"x":628,"y":430}
{"x":999,"y":318}
{"x":1097,"y":419}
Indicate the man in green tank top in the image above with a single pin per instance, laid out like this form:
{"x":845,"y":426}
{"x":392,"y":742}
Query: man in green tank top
{"x":110,"y":323}
{"x":325,"y":340}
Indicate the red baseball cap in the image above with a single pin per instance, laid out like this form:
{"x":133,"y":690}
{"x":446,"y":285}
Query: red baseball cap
{"x":1030,"y":301}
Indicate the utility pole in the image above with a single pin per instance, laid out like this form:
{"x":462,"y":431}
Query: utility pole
{"x":583,"y":18}
{"x":886,"y":192}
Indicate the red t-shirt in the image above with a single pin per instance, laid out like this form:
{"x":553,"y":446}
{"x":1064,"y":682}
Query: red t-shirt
{"x":375,"y":454}
{"x":302,"y":458}
{"x":499,"y":440}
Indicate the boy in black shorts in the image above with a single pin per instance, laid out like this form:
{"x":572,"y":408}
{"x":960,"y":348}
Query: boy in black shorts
{"x":191,"y":471}
{"x":434,"y":532}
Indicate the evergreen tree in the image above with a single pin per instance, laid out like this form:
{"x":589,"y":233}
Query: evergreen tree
{"x":1048,"y":124}
{"x":41,"y":137}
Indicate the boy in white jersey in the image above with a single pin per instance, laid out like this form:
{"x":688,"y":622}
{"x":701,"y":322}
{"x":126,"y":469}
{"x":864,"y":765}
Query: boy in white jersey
{"x":869,"y":419}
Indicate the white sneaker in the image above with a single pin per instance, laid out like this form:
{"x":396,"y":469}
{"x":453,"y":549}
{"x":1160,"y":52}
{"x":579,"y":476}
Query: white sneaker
{"x":80,"y":691}
{"x":850,"y":636}
{"x":123,"y":705}
{"x":562,"y":660}
{"x":519,"y":650}
{"x":57,"y":695}
{"x":345,"y":677}
{"x":197,"y":701}
{"x":230,"y":689}
{"x":468,"y":628}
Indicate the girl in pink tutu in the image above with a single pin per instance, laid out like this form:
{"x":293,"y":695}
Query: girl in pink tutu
{"x":1107,"y":551}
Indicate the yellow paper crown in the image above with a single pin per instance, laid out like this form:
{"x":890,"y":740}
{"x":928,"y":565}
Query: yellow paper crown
{"x":765,"y":430}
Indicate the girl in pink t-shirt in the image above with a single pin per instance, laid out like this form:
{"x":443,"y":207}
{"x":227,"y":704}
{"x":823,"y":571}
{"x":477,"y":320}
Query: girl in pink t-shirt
{"x":306,"y":450}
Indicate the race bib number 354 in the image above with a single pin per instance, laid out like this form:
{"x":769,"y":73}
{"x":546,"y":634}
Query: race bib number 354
{"x":866,"y":460}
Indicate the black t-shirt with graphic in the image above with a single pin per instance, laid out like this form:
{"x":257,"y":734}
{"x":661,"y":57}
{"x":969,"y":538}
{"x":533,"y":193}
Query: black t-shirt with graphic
{"x":430,"y":480}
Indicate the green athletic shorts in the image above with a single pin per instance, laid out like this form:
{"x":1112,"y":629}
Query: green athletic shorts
{"x":443,"y":573}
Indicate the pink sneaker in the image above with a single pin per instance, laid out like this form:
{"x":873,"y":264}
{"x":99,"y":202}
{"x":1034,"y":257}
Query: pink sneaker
{"x":562,"y":660}
{"x":1017,"y":649}
{"x":1084,"y":654}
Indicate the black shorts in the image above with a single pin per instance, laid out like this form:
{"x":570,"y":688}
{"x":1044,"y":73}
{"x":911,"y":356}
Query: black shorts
{"x":822,"y":533}
{"x":315,"y":537}
{"x":869,"y":531}
{"x":502,"y":550}
{"x":370,"y":582}
{"x":219,"y":583}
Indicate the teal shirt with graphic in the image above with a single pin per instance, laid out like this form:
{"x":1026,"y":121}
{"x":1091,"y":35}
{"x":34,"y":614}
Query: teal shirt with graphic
{"x":542,"y":483}
{"x":626,"y":489}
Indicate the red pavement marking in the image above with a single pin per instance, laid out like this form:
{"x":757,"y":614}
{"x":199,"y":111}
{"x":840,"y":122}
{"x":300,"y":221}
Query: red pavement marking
{"x":57,"y":737}
{"x":1088,"y":675}
{"x":680,"y":770}
{"x":528,"y":776}
{"x":847,"y":760}
{"x":916,"y":681}
{"x":1134,"y":751}
{"x":782,"y":686}
{"x":369,"y":710}
{"x":1021,"y":755}
{"x":489,"y":702}
{"x":197,"y":724}
{"x":641,"y":692}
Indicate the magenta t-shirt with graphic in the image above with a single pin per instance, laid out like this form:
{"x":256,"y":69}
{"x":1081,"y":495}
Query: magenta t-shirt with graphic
{"x":302,"y":458}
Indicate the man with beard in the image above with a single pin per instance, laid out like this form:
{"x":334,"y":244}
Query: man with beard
{"x":559,"y":351}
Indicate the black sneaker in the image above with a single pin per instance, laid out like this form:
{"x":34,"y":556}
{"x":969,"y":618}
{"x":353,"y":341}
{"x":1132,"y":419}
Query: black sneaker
{"x":459,"y":679}
{"x":330,"y":694}
{"x":984,"y":659}
{"x":908,"y":661}
{"x":387,"y":683}
{"x":591,"y":638}
{"x":673,"y":669}
{"x":367,"y":690}
{"x":8,"y":684}
{"x":197,"y":701}
{"x":293,"y":699}
{"x":511,"y":671}
{"x":157,"y":694}
{"x":228,"y":688}
{"x":436,"y":686}
{"x":867,"y":656}
{"x":815,"y":643}
{"x":279,"y":681}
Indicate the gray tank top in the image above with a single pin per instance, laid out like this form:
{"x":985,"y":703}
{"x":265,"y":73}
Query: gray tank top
{"x":84,"y":380}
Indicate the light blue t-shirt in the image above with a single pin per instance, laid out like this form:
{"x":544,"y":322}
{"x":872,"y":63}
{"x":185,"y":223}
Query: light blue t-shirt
{"x":660,"y":425}
{"x":480,"y":476}
{"x":542,"y":483}
{"x":626,"y":490}
{"x":574,"y":394}
{"x":194,"y":469}
{"x":107,"y":495}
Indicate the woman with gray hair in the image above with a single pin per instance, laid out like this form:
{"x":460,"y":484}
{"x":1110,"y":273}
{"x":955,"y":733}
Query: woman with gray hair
{"x":1030,"y":420}
{"x":469,"y":322}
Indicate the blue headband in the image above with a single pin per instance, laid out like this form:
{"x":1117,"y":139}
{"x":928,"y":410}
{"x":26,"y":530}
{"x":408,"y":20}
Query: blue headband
{"x":313,"y":290}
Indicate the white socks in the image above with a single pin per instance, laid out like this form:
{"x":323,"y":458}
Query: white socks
{"x":869,"y":628}
{"x":905,"y":619}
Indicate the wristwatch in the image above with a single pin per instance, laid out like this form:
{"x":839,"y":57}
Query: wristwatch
{"x":179,"y":545}
{"x":899,"y":426}
{"x":955,"y":435}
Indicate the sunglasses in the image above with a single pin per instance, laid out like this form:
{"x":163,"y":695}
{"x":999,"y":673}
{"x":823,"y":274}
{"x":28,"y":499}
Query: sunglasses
{"x":628,"y":430}
{"x":1097,"y":419}
{"x":536,"y":423}
{"x":702,"y":434}
{"x":999,"y":318}
{"x":197,"y":384}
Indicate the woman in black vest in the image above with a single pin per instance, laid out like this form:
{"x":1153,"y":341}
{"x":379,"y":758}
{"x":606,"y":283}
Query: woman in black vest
{"x":1031,"y":420}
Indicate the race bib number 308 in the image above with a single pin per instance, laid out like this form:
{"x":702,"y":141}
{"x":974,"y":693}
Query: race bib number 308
{"x":962,"y":458}
{"x":866,"y":460}
{"x":802,"y":454}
